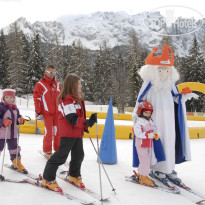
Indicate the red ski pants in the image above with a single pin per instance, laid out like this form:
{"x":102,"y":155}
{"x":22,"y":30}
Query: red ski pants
{"x":51,"y":133}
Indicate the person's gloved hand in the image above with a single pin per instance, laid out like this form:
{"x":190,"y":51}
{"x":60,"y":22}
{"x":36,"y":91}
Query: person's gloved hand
{"x":149,"y":134}
{"x":7,"y":122}
{"x":21,"y":120}
{"x":156,"y":136}
{"x":92,"y":120}
{"x":186,"y":90}
{"x":39,"y":116}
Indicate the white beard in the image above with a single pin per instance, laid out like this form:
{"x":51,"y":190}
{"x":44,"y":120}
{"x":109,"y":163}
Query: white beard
{"x":150,"y":73}
{"x":161,"y":84}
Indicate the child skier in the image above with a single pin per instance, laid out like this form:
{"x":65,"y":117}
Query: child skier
{"x":145,"y":134}
{"x":9,"y":119}
{"x":72,"y":124}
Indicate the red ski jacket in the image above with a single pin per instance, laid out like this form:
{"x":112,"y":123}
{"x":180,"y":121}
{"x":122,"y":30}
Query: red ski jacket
{"x":71,"y":118}
{"x":45,"y":95}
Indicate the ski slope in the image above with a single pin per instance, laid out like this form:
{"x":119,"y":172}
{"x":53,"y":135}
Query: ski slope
{"x":192,"y":173}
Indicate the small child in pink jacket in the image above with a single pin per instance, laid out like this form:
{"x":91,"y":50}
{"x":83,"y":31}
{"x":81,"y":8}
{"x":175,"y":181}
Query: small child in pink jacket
{"x":145,"y":131}
{"x":9,"y":119}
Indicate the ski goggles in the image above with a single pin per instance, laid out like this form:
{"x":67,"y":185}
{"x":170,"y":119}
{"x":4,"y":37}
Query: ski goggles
{"x":50,"y":72}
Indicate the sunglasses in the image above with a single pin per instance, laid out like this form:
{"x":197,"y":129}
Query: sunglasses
{"x":50,"y":72}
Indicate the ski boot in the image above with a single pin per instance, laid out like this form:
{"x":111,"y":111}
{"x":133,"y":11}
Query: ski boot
{"x":52,"y":185}
{"x":77,"y":181}
{"x":162,"y":177}
{"x":48,"y":154}
{"x":145,"y":180}
{"x":174,"y":178}
{"x":17,"y":165}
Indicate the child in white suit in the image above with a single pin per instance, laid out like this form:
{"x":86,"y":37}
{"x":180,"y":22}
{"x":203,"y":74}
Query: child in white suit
{"x":145,"y":131}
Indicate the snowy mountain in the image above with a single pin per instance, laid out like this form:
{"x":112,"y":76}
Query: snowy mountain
{"x":113,"y":27}
{"x":47,"y":30}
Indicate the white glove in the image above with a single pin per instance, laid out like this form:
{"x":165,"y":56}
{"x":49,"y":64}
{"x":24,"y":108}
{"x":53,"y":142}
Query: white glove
{"x":158,"y":133}
{"x":189,"y":96}
{"x":151,"y":135}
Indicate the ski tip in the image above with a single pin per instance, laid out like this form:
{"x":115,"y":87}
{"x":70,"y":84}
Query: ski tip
{"x":2,"y":178}
{"x":201,"y":201}
{"x":105,"y":198}
{"x":88,"y":203}
{"x":25,"y":172}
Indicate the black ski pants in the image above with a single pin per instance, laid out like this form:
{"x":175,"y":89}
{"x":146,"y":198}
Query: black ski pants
{"x":67,"y":144}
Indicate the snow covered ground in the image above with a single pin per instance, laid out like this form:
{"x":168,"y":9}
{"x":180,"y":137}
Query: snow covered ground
{"x":192,"y":173}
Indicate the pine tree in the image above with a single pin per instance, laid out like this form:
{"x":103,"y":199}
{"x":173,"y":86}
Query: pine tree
{"x":181,"y":65}
{"x":104,"y":65}
{"x":87,"y":75}
{"x":166,"y":40}
{"x":135,"y":60}
{"x":3,"y":61}
{"x":79,"y":63}
{"x":65,"y":64}
{"x":120,"y":84}
{"x":17,"y":63}
{"x":59,"y":58}
{"x":195,"y":73}
{"x":35,"y":72}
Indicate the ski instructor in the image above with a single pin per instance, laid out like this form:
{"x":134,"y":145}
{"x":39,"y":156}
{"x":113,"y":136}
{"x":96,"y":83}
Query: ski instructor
{"x":159,"y":77}
{"x":45,"y":95}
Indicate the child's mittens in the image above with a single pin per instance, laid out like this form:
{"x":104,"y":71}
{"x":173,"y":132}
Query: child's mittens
{"x":7,"y":122}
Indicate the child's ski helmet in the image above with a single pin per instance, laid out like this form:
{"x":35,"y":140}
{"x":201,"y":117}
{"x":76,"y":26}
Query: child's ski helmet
{"x":144,"y":106}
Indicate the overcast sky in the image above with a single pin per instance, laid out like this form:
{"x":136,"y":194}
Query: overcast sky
{"x":45,"y":10}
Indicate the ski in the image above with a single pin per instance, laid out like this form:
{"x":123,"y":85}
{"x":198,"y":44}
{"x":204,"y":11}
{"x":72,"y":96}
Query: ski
{"x":41,"y":152}
{"x":3,"y":179}
{"x":34,"y":180}
{"x":32,"y":176}
{"x":167,"y":183}
{"x":88,"y":191}
{"x":37,"y":183}
{"x":184,"y":190}
{"x":135,"y":180}
{"x":180,"y":184}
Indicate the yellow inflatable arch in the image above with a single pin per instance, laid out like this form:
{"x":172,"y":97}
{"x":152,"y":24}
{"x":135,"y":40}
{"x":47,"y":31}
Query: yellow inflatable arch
{"x":195,"y":86}
{"x":195,"y":132}
{"x":200,"y":87}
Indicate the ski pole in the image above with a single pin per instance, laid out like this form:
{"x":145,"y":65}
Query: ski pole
{"x":113,"y":189}
{"x":1,"y":175}
{"x":36,"y":125}
{"x":17,"y":150}
{"x":28,"y":118}
{"x":99,"y":162}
